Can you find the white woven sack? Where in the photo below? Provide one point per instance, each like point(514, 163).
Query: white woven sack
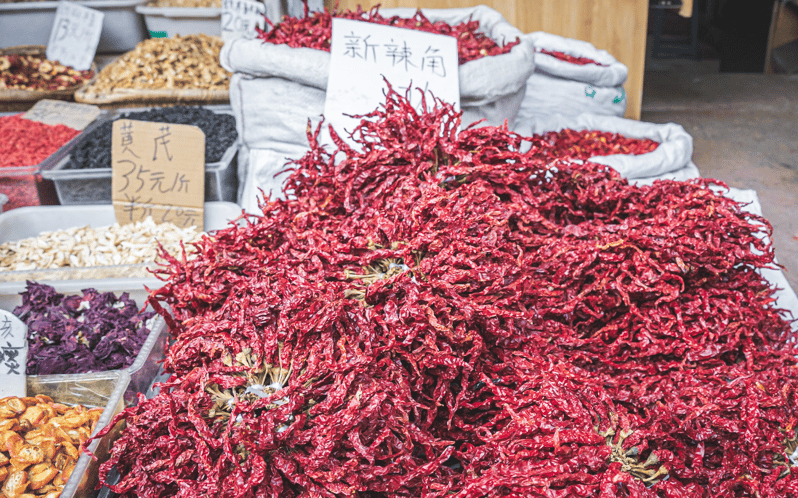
point(547, 95)
point(263, 166)
point(674, 152)
point(785, 296)
point(611, 74)
point(490, 87)
point(689, 172)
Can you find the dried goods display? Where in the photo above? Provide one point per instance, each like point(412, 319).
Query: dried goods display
point(81, 247)
point(94, 150)
point(442, 314)
point(27, 143)
point(92, 332)
point(573, 59)
point(584, 144)
point(180, 62)
point(314, 30)
point(41, 444)
point(35, 72)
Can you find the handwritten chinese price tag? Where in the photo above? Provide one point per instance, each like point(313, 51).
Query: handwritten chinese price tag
point(75, 35)
point(158, 171)
point(362, 53)
point(55, 112)
point(240, 17)
point(14, 349)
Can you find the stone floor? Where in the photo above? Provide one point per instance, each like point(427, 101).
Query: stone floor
point(745, 133)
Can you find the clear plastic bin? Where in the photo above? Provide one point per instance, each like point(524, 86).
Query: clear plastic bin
point(31, 221)
point(93, 186)
point(95, 390)
point(25, 184)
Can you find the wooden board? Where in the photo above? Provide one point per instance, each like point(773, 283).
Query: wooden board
point(617, 26)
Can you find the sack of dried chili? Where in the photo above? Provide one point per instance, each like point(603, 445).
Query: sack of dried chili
point(576, 60)
point(633, 148)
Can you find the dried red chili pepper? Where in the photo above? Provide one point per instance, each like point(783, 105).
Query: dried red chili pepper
point(314, 30)
point(458, 317)
point(573, 59)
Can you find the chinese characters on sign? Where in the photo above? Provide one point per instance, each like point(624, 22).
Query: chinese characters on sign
point(75, 35)
point(158, 171)
point(13, 355)
point(55, 112)
point(240, 17)
point(364, 55)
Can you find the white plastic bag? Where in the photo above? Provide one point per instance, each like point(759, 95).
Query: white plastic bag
point(610, 74)
point(546, 95)
point(263, 166)
point(674, 152)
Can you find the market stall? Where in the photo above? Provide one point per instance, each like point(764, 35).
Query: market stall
point(465, 275)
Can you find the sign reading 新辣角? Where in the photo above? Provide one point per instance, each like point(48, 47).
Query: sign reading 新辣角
point(13, 355)
point(364, 55)
point(55, 112)
point(158, 171)
point(75, 35)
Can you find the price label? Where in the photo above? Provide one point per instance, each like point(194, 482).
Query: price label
point(75, 35)
point(364, 55)
point(240, 17)
point(14, 352)
point(158, 171)
point(55, 112)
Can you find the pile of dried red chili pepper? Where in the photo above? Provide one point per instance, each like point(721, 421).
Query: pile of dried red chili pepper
point(584, 144)
point(573, 59)
point(36, 72)
point(440, 314)
point(314, 30)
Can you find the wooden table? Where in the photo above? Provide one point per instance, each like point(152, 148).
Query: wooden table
point(617, 26)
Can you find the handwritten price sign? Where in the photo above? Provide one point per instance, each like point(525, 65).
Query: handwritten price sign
point(241, 17)
point(13, 355)
point(75, 35)
point(362, 54)
point(158, 171)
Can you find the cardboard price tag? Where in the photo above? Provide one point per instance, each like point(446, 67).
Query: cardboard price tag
point(13, 355)
point(158, 171)
point(75, 35)
point(55, 112)
point(240, 17)
point(362, 53)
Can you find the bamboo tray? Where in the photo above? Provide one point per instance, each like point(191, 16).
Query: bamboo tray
point(22, 100)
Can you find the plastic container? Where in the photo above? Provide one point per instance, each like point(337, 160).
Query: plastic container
point(93, 186)
point(39, 191)
point(104, 389)
point(29, 23)
point(31, 221)
point(170, 21)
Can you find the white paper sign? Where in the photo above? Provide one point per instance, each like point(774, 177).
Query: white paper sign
point(240, 17)
point(75, 35)
point(14, 351)
point(362, 53)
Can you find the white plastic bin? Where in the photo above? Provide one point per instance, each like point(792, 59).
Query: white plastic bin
point(170, 21)
point(31, 221)
point(29, 23)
